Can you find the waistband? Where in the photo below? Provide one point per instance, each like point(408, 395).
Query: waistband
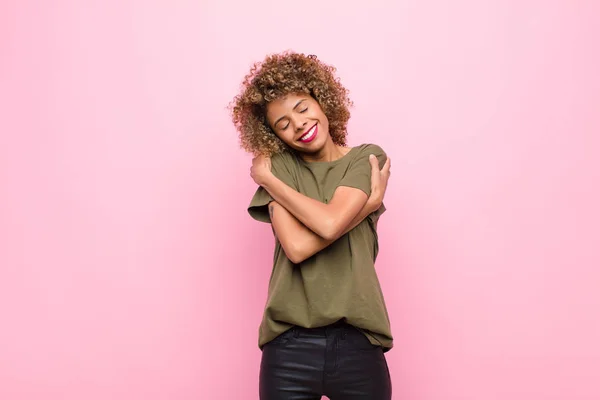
point(337, 327)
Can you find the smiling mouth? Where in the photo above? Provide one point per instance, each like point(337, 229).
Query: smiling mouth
point(310, 135)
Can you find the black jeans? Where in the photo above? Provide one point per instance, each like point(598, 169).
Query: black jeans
point(337, 361)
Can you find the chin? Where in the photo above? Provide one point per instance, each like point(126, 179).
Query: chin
point(312, 148)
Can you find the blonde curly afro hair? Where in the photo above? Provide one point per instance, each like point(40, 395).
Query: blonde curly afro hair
point(275, 77)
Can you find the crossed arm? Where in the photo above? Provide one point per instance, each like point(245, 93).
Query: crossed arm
point(299, 242)
point(305, 226)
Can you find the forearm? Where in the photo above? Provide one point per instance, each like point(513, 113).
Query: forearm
point(364, 213)
point(326, 220)
point(299, 242)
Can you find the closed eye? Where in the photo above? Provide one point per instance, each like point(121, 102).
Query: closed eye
point(301, 111)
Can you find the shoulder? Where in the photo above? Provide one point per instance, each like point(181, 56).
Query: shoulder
point(366, 149)
point(283, 158)
point(284, 161)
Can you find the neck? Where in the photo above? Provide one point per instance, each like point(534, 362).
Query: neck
point(329, 152)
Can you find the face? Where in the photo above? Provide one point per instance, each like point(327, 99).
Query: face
point(297, 119)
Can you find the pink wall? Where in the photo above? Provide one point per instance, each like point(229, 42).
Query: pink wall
point(130, 270)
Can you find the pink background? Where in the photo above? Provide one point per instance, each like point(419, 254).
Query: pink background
point(130, 269)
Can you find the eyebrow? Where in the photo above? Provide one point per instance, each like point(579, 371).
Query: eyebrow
point(296, 106)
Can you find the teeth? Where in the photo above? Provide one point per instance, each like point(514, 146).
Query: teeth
point(309, 133)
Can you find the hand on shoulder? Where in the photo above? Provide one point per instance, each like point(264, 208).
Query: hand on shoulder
point(379, 176)
point(260, 171)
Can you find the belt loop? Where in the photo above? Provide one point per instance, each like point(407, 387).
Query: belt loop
point(296, 332)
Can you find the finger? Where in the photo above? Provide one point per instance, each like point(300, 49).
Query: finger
point(374, 167)
point(387, 166)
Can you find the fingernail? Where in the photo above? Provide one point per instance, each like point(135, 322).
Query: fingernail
point(371, 156)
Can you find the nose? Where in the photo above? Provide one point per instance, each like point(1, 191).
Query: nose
point(299, 124)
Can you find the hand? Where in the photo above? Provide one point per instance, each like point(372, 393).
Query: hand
point(379, 181)
point(261, 170)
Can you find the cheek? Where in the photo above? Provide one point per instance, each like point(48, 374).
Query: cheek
point(321, 116)
point(284, 136)
point(324, 120)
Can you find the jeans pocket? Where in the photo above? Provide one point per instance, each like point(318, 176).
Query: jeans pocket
point(283, 338)
point(359, 341)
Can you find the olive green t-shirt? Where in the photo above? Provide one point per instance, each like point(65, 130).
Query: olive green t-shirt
point(339, 282)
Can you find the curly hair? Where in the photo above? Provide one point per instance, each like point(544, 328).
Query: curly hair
point(275, 77)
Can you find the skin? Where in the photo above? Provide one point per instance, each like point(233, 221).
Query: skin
point(304, 225)
point(292, 116)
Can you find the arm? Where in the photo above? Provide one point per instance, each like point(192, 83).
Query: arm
point(329, 221)
point(300, 243)
point(326, 220)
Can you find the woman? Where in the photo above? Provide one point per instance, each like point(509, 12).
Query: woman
point(325, 327)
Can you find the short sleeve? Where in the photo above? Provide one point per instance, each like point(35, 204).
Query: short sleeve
point(374, 216)
point(282, 167)
point(359, 171)
point(359, 175)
